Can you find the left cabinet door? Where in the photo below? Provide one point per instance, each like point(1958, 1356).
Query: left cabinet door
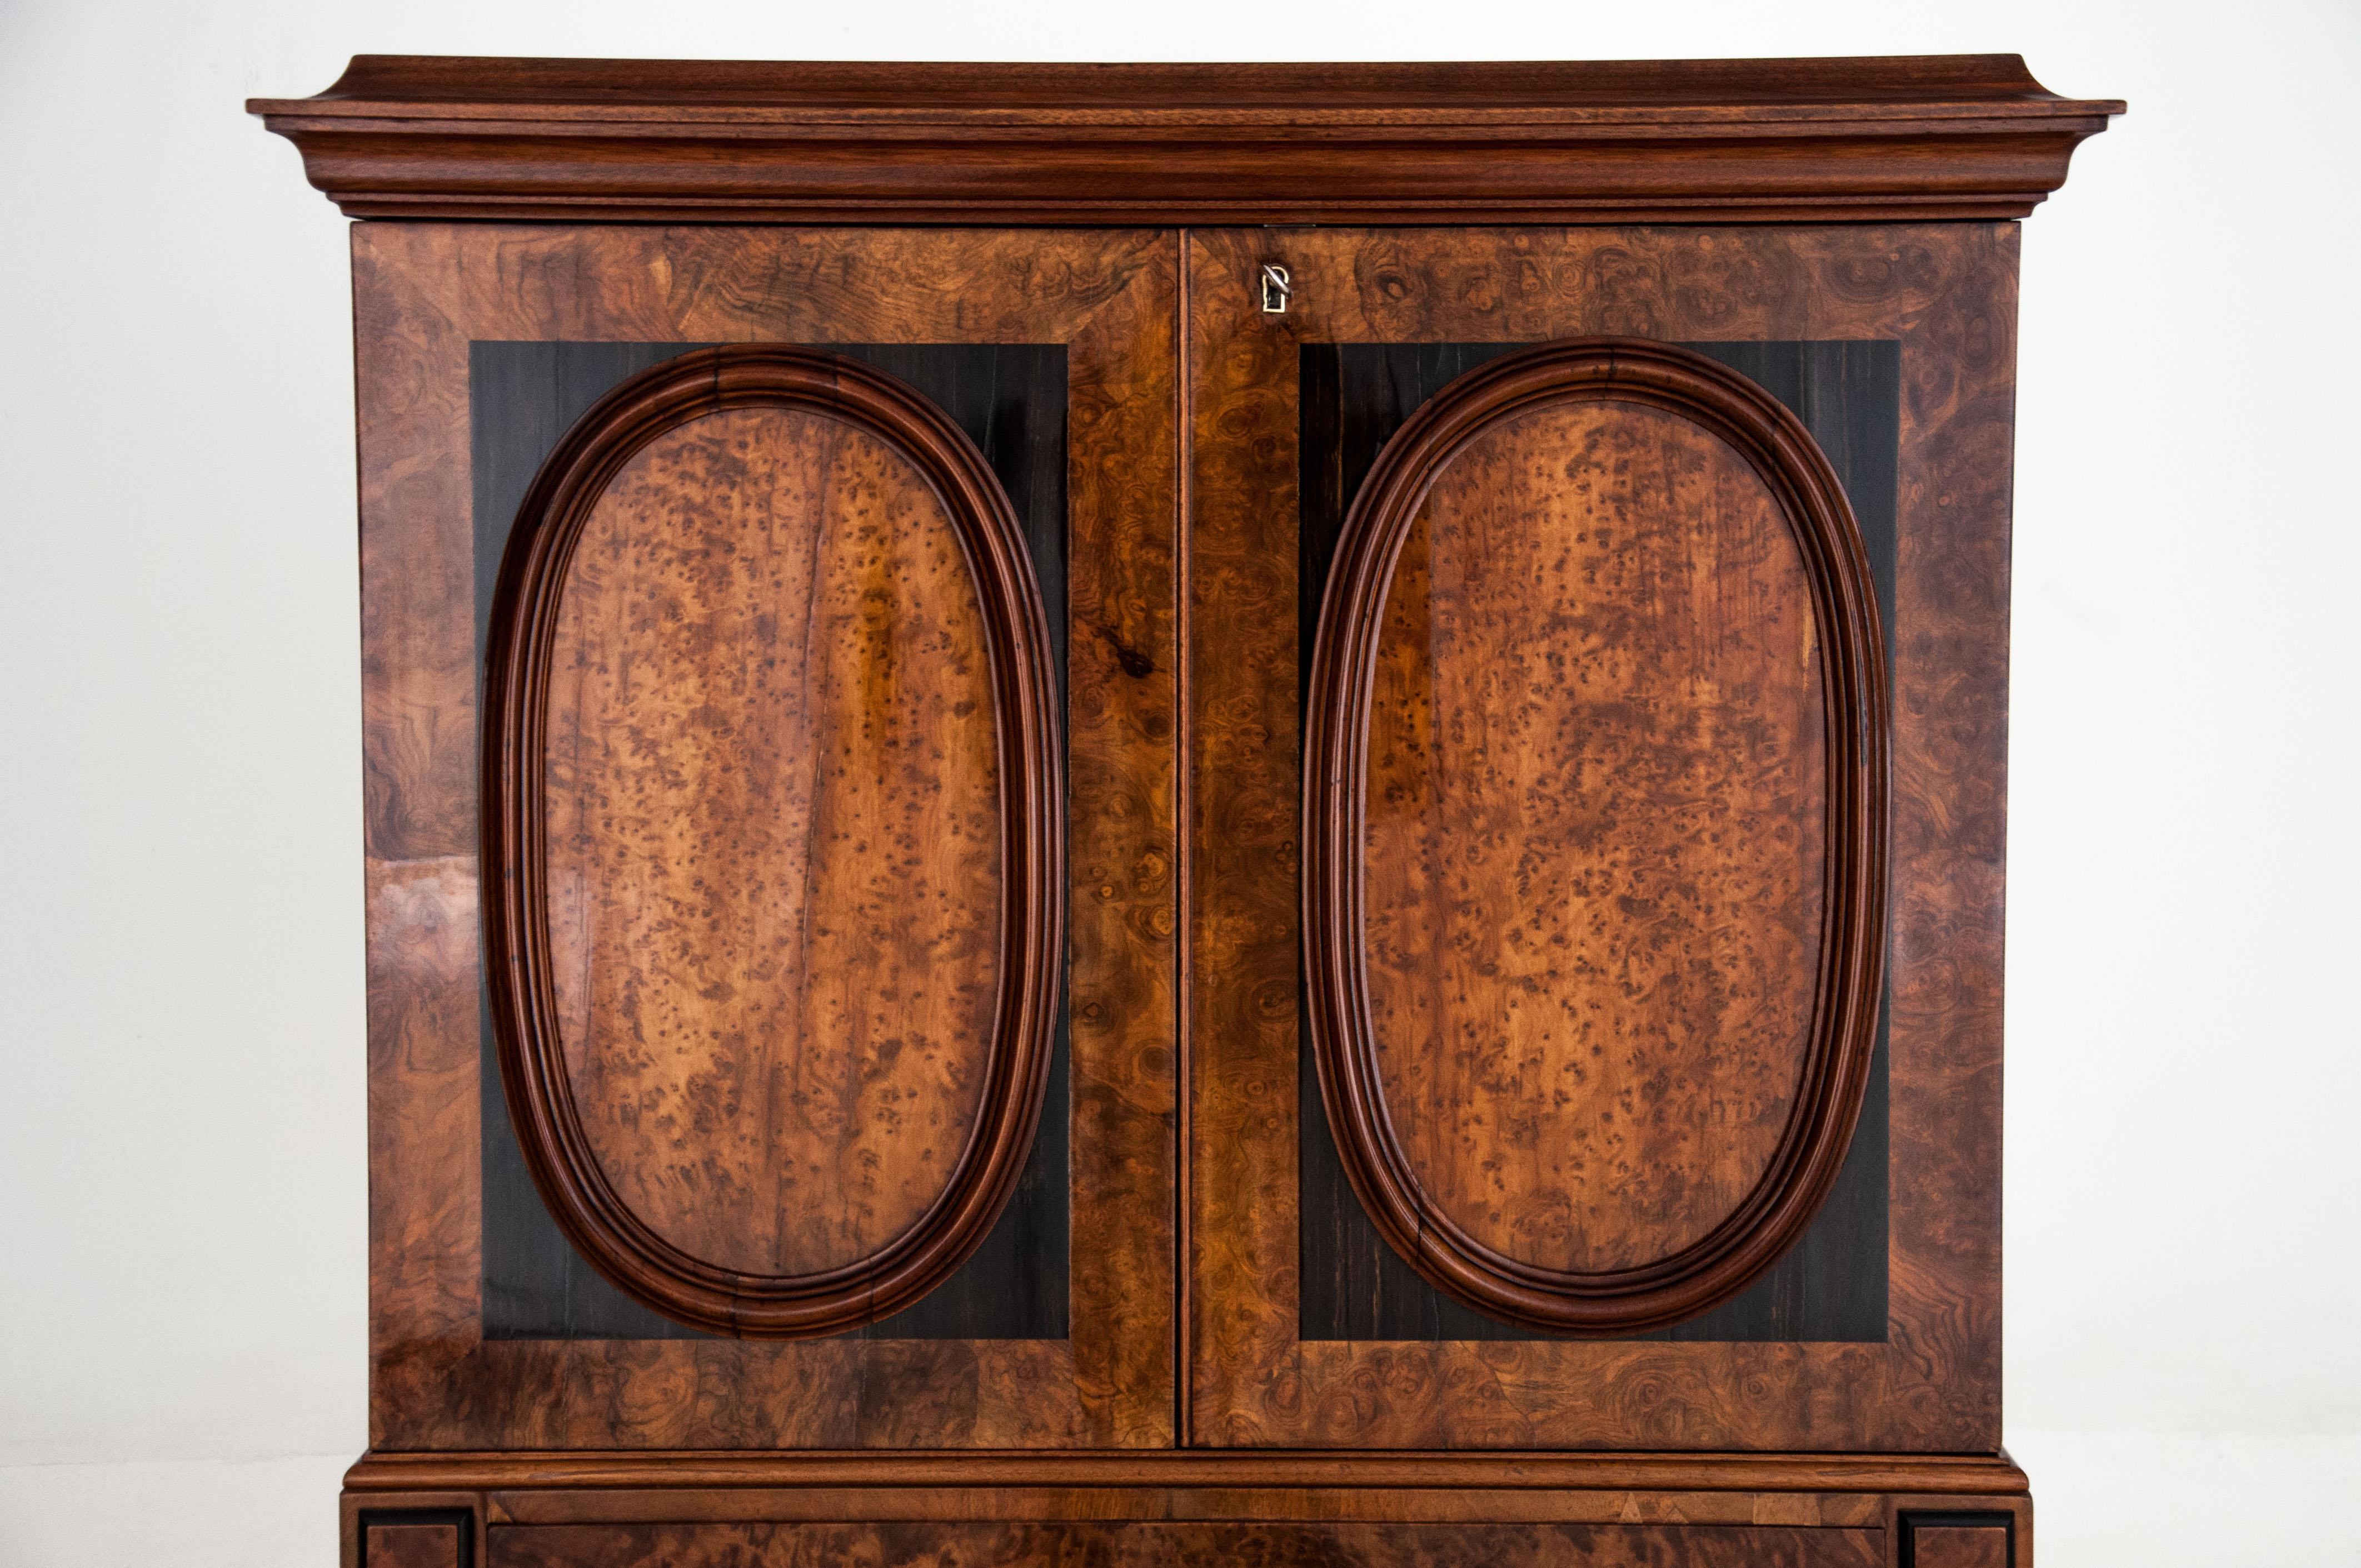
point(768, 706)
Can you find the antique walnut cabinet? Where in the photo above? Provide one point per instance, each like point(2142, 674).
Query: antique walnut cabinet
point(1149, 815)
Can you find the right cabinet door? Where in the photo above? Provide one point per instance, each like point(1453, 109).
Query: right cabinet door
point(1596, 711)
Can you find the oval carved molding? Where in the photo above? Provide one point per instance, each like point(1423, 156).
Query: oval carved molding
point(518, 943)
point(1843, 977)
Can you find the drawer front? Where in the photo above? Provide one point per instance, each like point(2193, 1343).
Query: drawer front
point(1106, 1545)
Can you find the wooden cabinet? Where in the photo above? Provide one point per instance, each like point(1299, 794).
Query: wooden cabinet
point(1149, 814)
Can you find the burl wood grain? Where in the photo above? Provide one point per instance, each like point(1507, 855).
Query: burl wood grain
point(773, 840)
point(1219, 1507)
point(1958, 1546)
point(1946, 294)
point(1112, 1545)
point(413, 1546)
point(422, 293)
point(1592, 849)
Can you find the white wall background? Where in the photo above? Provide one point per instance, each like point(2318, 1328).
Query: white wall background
point(182, 1181)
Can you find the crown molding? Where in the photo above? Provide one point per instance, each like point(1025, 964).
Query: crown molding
point(1904, 138)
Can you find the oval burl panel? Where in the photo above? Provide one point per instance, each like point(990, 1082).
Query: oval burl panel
point(786, 920)
point(773, 840)
point(1597, 795)
point(1592, 857)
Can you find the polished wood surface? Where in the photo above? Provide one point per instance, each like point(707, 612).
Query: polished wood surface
point(1502, 1492)
point(1592, 862)
point(1931, 1477)
point(1878, 1495)
point(1010, 400)
point(447, 1524)
point(423, 292)
point(1593, 994)
point(2001, 1525)
point(773, 840)
point(773, 697)
point(1946, 294)
point(1958, 1546)
point(437, 1545)
point(1178, 1545)
point(1831, 1284)
point(1183, 1406)
point(1455, 1505)
point(1781, 141)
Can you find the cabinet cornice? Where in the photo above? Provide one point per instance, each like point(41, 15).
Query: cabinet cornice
point(1902, 138)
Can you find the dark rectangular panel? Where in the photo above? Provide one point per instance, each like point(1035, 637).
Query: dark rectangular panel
point(1831, 1286)
point(1010, 399)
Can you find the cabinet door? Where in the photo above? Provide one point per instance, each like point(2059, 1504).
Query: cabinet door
point(810, 595)
point(1593, 1026)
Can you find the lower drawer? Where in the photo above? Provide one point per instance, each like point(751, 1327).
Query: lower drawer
point(1072, 1544)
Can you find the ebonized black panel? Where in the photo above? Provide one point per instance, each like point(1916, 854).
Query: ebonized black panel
point(1832, 1285)
point(1010, 399)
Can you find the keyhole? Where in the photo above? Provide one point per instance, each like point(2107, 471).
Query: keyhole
point(1276, 287)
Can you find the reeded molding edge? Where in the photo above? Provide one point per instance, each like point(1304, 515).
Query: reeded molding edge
point(521, 631)
point(1502, 1471)
point(1850, 964)
point(1965, 136)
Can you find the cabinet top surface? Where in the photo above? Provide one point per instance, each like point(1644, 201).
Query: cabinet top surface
point(1720, 140)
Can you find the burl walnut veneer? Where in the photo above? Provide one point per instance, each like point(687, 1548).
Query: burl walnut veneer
point(1143, 815)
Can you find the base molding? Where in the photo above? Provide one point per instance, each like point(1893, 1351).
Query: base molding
point(1158, 1508)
